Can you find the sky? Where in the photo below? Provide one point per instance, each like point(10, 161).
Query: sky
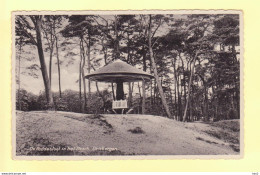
point(69, 72)
point(69, 67)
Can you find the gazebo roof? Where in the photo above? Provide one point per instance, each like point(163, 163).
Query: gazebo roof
point(119, 71)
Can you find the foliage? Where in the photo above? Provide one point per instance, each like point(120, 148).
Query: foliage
point(68, 102)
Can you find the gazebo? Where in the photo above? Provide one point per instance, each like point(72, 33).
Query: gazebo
point(119, 72)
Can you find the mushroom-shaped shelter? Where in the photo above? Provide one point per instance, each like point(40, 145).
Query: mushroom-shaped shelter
point(119, 72)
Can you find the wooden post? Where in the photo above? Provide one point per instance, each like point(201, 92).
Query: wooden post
point(143, 101)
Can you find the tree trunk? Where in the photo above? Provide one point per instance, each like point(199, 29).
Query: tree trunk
point(43, 65)
point(238, 102)
point(215, 103)
point(84, 88)
point(130, 95)
point(139, 89)
point(50, 65)
point(80, 96)
point(58, 64)
point(19, 77)
point(206, 115)
point(50, 41)
point(184, 80)
point(151, 93)
point(89, 66)
point(143, 82)
point(144, 59)
point(103, 98)
point(237, 85)
point(151, 84)
point(190, 117)
point(171, 97)
point(175, 90)
point(175, 101)
point(189, 86)
point(155, 95)
point(144, 94)
point(164, 102)
point(83, 78)
point(116, 46)
point(179, 98)
point(191, 106)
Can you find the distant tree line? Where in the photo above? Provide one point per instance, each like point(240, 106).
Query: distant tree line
point(195, 60)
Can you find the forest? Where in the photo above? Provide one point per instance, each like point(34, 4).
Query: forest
point(194, 58)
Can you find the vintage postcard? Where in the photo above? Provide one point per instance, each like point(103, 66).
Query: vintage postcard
point(127, 85)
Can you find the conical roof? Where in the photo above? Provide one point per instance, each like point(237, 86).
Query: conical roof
point(119, 71)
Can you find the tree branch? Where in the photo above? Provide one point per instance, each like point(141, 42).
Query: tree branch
point(160, 22)
point(30, 36)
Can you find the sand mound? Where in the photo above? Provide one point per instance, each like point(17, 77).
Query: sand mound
point(67, 133)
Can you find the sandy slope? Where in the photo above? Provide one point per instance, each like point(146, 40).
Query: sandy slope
point(84, 134)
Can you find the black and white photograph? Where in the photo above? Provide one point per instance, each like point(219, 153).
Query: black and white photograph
point(127, 84)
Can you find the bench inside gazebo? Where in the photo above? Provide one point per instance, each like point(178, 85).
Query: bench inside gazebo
point(119, 104)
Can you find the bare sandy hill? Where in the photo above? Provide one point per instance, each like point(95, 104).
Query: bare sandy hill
point(66, 133)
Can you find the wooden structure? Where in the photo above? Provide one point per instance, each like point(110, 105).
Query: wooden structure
point(119, 72)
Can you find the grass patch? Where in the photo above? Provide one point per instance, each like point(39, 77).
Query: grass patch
point(136, 130)
point(208, 141)
point(235, 147)
point(95, 119)
point(229, 131)
point(232, 125)
point(223, 135)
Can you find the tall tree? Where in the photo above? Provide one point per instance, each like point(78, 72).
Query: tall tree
point(19, 42)
point(82, 27)
point(197, 43)
point(155, 68)
point(48, 26)
point(26, 25)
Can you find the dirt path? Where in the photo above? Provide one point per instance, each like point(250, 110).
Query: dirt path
point(112, 134)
